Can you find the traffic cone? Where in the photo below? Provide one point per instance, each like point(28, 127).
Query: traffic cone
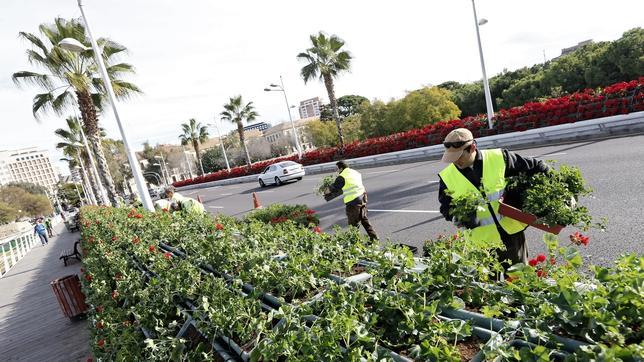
point(256, 204)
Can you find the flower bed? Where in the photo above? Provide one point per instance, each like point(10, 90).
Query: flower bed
point(619, 98)
point(164, 286)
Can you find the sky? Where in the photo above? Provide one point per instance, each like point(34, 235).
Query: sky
point(192, 55)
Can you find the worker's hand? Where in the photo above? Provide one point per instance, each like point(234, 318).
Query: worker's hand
point(328, 197)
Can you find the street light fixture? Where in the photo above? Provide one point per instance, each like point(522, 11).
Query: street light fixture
point(486, 85)
point(280, 88)
point(71, 45)
point(221, 142)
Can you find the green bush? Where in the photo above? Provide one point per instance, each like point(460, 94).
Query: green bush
point(278, 213)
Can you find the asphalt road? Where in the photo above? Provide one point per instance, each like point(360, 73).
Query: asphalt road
point(403, 204)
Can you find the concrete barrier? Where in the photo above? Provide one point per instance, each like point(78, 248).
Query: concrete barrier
point(582, 130)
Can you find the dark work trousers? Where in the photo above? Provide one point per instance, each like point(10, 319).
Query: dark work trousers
point(357, 213)
point(516, 249)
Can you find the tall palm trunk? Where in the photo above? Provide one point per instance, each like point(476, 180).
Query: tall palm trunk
point(90, 122)
point(90, 186)
point(328, 83)
point(195, 145)
point(242, 140)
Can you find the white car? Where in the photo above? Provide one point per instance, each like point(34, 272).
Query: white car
point(278, 173)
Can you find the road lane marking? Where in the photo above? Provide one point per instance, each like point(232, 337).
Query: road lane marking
point(410, 211)
point(375, 172)
point(216, 207)
point(550, 154)
point(225, 194)
point(263, 191)
point(433, 182)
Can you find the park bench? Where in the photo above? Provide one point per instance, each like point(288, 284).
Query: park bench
point(70, 253)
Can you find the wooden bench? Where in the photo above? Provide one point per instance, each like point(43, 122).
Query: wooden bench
point(70, 253)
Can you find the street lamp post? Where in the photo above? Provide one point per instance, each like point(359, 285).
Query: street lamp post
point(221, 142)
point(486, 85)
point(89, 193)
point(185, 154)
point(278, 88)
point(74, 45)
point(103, 193)
point(164, 167)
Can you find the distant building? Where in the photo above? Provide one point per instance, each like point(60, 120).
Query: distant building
point(260, 126)
point(282, 134)
point(27, 165)
point(310, 108)
point(571, 49)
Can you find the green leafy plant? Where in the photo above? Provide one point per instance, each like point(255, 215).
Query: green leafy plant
point(279, 213)
point(325, 185)
point(463, 208)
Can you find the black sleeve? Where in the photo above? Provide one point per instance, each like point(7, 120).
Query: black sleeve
point(444, 199)
point(516, 164)
point(337, 185)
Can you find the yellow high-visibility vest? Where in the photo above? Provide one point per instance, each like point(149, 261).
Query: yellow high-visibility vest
point(192, 206)
point(493, 183)
point(353, 186)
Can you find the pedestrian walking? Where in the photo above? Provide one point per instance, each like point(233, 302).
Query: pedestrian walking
point(41, 230)
point(50, 229)
point(349, 184)
point(469, 169)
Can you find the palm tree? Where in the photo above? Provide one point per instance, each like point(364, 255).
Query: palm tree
point(326, 60)
point(235, 111)
point(74, 148)
point(73, 79)
point(194, 133)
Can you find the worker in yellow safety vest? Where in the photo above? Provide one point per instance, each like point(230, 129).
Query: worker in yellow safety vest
point(188, 205)
point(349, 185)
point(485, 172)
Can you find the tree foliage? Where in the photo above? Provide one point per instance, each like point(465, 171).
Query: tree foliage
point(68, 194)
point(591, 66)
point(213, 160)
point(417, 109)
point(25, 203)
point(29, 187)
point(7, 213)
point(324, 133)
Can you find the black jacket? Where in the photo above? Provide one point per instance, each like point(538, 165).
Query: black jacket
point(514, 165)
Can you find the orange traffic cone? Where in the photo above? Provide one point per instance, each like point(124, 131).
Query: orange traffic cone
point(256, 202)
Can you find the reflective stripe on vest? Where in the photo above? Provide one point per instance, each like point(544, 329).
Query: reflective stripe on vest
point(493, 182)
point(353, 187)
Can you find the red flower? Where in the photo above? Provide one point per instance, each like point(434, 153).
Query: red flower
point(310, 212)
point(99, 325)
point(553, 261)
point(541, 258)
point(167, 255)
point(100, 343)
point(151, 248)
point(115, 294)
point(533, 262)
point(578, 239)
point(219, 227)
point(100, 309)
point(165, 209)
point(113, 238)
point(541, 273)
point(317, 230)
point(138, 216)
point(88, 277)
point(136, 240)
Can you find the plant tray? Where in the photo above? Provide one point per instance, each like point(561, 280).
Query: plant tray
point(524, 217)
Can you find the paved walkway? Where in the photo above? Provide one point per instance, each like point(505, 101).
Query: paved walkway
point(32, 325)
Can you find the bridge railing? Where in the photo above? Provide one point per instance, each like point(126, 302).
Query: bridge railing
point(14, 248)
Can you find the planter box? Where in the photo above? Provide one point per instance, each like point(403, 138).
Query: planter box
point(516, 214)
point(70, 296)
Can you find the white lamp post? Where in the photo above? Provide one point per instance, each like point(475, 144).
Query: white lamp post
point(185, 154)
point(486, 85)
point(164, 166)
point(278, 88)
point(221, 142)
point(75, 46)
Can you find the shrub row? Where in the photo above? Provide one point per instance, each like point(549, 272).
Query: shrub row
point(619, 98)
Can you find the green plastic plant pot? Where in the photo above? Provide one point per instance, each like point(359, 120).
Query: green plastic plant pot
point(480, 320)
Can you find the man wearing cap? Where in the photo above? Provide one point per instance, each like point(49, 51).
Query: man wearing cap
point(349, 184)
point(485, 172)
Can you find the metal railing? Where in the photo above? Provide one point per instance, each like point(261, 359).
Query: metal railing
point(14, 248)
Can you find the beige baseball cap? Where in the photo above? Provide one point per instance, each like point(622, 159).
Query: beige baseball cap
point(455, 142)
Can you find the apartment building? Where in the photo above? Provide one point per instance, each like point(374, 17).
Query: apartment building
point(27, 165)
point(310, 108)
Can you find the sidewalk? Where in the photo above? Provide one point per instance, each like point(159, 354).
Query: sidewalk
point(32, 325)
